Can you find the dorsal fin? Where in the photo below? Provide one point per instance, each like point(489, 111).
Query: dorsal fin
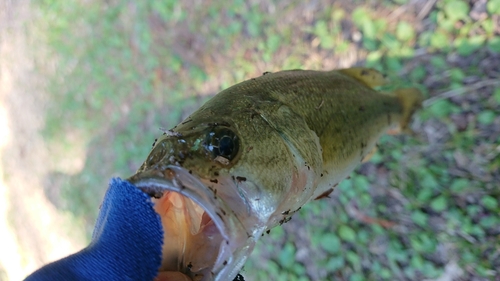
point(368, 76)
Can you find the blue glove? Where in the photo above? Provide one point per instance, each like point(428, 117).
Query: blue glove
point(126, 243)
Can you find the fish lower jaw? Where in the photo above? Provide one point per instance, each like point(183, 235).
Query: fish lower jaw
point(191, 239)
point(204, 235)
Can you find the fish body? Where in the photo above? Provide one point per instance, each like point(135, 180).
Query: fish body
point(260, 150)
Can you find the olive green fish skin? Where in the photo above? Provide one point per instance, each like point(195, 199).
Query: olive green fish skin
point(299, 132)
point(344, 114)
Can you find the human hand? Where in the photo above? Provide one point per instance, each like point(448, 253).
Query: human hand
point(126, 243)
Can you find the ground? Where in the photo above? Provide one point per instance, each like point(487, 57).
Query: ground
point(32, 230)
point(85, 87)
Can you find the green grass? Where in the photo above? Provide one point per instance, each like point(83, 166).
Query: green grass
point(127, 68)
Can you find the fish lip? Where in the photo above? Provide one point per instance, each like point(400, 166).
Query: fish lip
point(155, 182)
point(158, 180)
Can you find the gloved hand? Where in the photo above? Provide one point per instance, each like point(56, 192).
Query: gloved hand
point(126, 242)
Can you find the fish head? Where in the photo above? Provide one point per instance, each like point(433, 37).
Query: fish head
point(204, 149)
point(221, 178)
point(201, 238)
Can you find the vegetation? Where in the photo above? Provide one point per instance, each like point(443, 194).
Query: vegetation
point(423, 207)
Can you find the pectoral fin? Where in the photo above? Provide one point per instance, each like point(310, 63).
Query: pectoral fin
point(369, 155)
point(411, 100)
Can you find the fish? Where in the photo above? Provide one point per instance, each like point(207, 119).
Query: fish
point(255, 153)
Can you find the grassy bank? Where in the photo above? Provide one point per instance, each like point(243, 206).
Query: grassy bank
point(423, 207)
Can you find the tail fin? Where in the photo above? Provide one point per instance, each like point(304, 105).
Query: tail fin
point(411, 100)
point(368, 76)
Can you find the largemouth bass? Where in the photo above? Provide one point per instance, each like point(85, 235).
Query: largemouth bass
point(255, 153)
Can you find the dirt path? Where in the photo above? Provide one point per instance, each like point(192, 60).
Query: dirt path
point(32, 230)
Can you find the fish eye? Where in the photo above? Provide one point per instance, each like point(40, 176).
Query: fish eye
point(222, 142)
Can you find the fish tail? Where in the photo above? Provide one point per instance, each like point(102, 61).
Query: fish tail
point(411, 100)
point(367, 76)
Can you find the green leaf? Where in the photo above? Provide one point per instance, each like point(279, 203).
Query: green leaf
point(385, 273)
point(430, 271)
point(286, 257)
point(468, 256)
point(441, 108)
point(273, 43)
point(419, 218)
point(322, 31)
point(356, 277)
point(360, 15)
point(365, 199)
point(394, 64)
point(477, 231)
point(439, 62)
point(369, 30)
point(175, 63)
point(439, 40)
point(424, 194)
point(489, 202)
point(405, 31)
point(489, 221)
point(364, 237)
point(459, 185)
point(496, 95)
point(456, 10)
point(488, 26)
point(374, 57)
point(493, 7)
point(298, 269)
point(330, 243)
point(327, 42)
point(272, 267)
point(235, 27)
point(335, 263)
point(424, 38)
point(197, 74)
point(486, 271)
point(417, 262)
point(380, 26)
point(370, 44)
point(254, 24)
point(346, 233)
point(321, 28)
point(277, 233)
point(360, 182)
point(439, 204)
point(418, 73)
point(377, 158)
point(456, 74)
point(467, 46)
point(428, 179)
point(486, 117)
point(406, 52)
point(353, 258)
point(338, 14)
point(341, 47)
point(494, 44)
point(390, 42)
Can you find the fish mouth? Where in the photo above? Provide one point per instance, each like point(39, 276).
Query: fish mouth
point(199, 238)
